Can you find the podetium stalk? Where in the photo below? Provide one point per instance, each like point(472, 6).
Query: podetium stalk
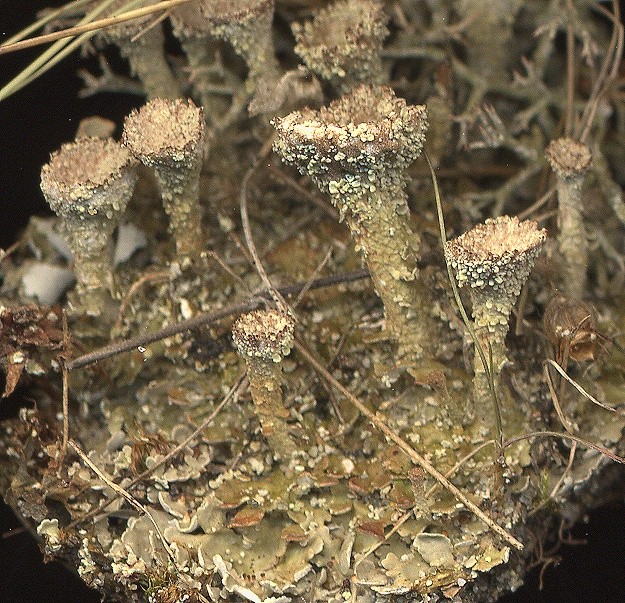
point(263, 338)
point(357, 150)
point(169, 136)
point(247, 26)
point(570, 161)
point(143, 44)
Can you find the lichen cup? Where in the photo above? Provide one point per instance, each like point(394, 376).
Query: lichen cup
point(88, 184)
point(493, 260)
point(357, 150)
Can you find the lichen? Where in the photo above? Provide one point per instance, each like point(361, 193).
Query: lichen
point(343, 44)
point(357, 150)
point(313, 465)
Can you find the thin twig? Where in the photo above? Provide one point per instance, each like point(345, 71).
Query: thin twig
point(556, 402)
point(118, 347)
point(5, 253)
point(312, 278)
point(47, 18)
point(65, 372)
point(404, 518)
point(378, 421)
point(527, 212)
point(581, 390)
point(158, 19)
point(249, 239)
point(609, 70)
point(567, 470)
point(222, 264)
point(53, 55)
point(314, 199)
point(465, 317)
point(570, 72)
point(131, 499)
point(567, 427)
point(566, 436)
point(162, 275)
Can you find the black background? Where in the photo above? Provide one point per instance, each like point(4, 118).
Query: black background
point(35, 122)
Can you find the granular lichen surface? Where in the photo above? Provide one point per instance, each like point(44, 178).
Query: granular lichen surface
point(220, 463)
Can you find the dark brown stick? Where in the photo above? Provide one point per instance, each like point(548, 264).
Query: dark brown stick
point(207, 318)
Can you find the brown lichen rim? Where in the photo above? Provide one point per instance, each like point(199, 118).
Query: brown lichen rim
point(368, 122)
point(79, 169)
point(495, 245)
point(498, 240)
point(263, 333)
point(165, 130)
point(568, 157)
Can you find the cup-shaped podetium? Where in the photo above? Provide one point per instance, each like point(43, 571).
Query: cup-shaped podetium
point(357, 150)
point(493, 260)
point(343, 43)
point(263, 338)
point(247, 26)
point(169, 136)
point(570, 161)
point(88, 184)
point(142, 43)
point(195, 34)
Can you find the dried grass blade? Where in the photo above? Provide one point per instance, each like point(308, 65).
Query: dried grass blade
point(76, 4)
point(567, 436)
point(581, 390)
point(127, 15)
point(51, 56)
